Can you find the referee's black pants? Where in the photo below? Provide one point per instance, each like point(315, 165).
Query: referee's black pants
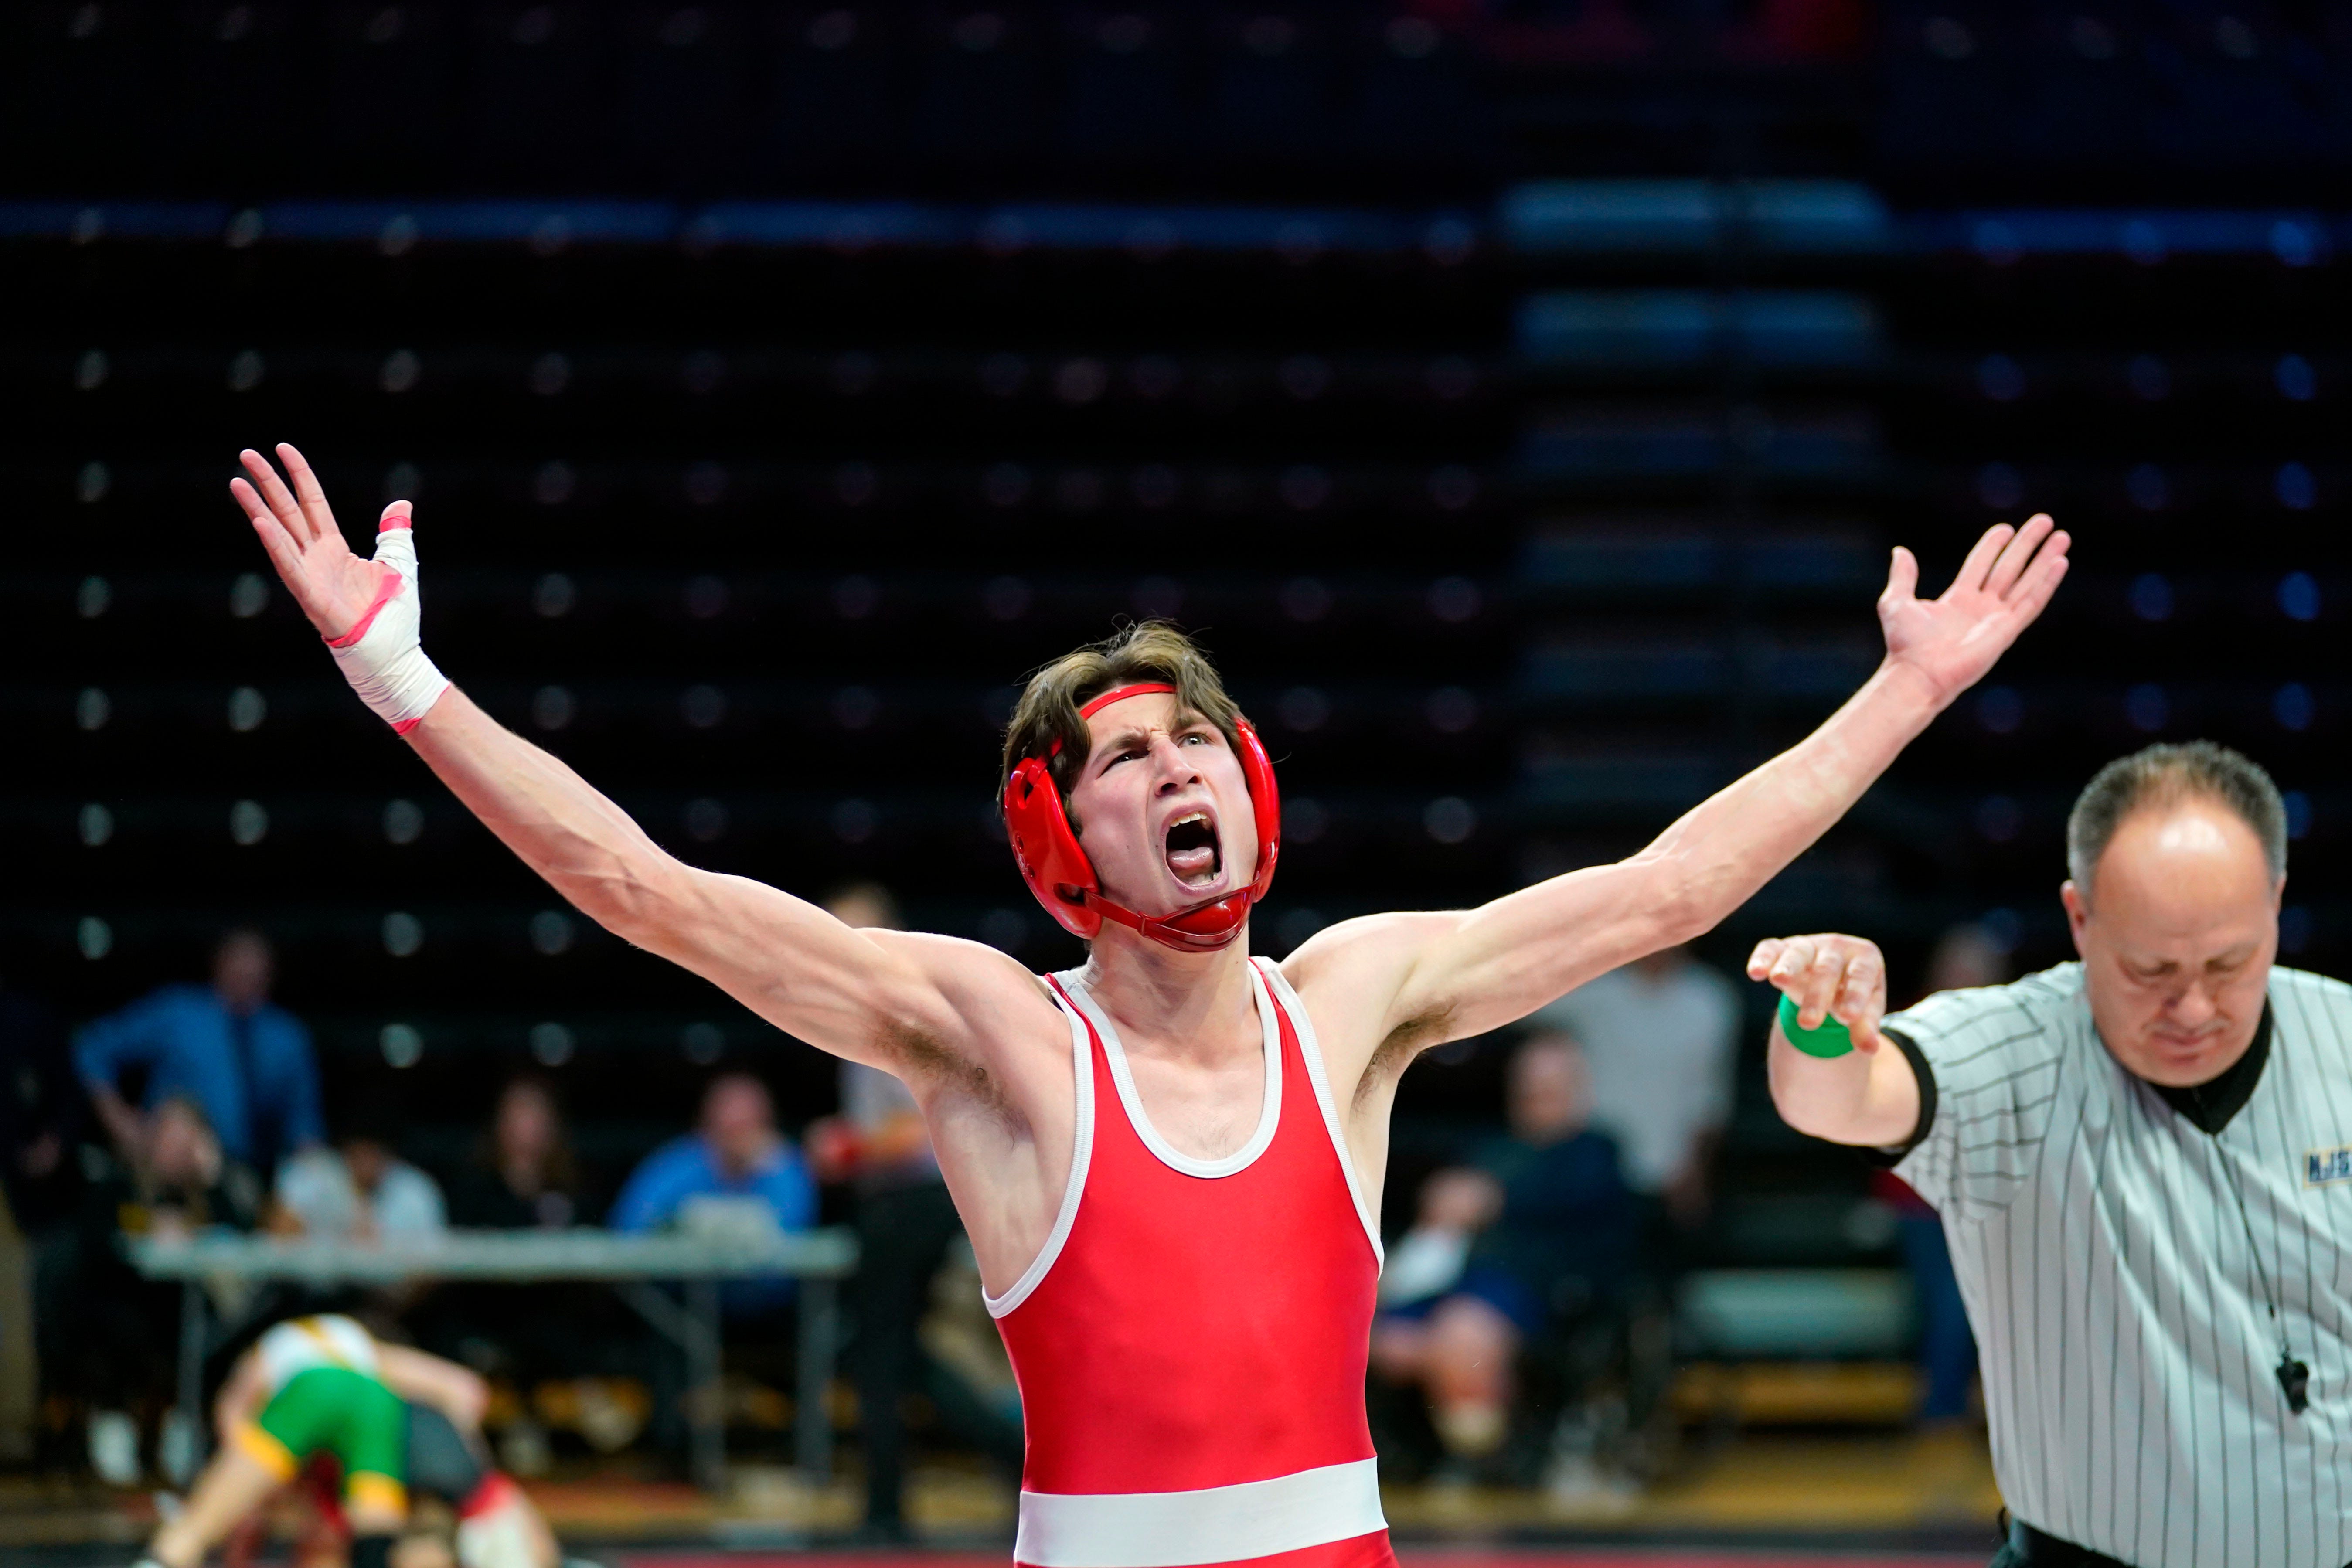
point(2029, 1548)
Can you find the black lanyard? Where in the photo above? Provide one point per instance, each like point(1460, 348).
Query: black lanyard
point(2294, 1376)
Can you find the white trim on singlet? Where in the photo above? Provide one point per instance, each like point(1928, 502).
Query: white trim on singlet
point(1311, 1049)
point(1213, 1524)
point(295, 1345)
point(1082, 1148)
point(1269, 1114)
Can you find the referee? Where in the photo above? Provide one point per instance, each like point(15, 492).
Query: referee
point(2143, 1161)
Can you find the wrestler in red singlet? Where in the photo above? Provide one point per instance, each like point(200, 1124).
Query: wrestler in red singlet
point(1168, 1162)
point(1190, 1344)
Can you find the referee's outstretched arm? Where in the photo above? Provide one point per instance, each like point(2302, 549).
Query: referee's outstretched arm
point(1864, 1095)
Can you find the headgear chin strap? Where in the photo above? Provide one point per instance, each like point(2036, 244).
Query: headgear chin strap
point(1063, 879)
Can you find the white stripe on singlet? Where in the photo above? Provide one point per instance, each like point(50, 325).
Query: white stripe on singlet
point(1213, 1524)
point(2127, 1346)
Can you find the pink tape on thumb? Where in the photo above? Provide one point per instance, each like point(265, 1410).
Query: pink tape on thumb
point(385, 590)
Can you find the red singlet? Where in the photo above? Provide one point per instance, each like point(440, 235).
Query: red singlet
point(1190, 1339)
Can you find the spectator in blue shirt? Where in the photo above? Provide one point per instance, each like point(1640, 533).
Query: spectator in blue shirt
point(246, 1064)
point(734, 1153)
point(1509, 1247)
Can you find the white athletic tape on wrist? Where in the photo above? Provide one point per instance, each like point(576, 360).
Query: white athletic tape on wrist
point(380, 655)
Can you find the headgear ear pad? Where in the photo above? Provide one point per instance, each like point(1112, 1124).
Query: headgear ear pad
point(1058, 872)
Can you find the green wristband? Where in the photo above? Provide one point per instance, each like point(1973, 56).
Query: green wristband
point(1831, 1040)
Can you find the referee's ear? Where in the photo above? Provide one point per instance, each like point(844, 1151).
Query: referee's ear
point(2078, 912)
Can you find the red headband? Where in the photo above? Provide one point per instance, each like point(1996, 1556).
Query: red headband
point(1121, 694)
point(1116, 694)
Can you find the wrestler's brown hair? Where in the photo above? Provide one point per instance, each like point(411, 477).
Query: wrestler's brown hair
point(1146, 651)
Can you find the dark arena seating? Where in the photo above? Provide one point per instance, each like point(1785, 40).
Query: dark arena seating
point(1518, 398)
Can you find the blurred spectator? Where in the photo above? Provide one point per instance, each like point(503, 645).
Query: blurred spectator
point(1536, 1226)
point(1660, 1036)
point(359, 1191)
point(111, 1332)
point(524, 1176)
point(186, 1181)
point(906, 1226)
point(247, 1063)
point(41, 1118)
point(735, 1171)
point(734, 1164)
point(1965, 957)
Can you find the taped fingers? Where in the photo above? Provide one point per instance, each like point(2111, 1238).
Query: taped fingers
point(396, 546)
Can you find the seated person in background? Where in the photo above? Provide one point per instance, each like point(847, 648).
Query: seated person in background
point(734, 1164)
point(1538, 1223)
point(359, 1191)
point(734, 1172)
point(523, 1176)
point(395, 1422)
point(110, 1330)
point(247, 1063)
point(1659, 1038)
point(182, 1181)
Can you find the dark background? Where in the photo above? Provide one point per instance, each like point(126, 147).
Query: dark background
point(778, 385)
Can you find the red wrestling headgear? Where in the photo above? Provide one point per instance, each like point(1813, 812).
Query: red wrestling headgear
point(1058, 872)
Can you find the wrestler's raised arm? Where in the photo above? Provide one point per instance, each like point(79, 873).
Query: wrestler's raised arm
point(886, 998)
point(1421, 979)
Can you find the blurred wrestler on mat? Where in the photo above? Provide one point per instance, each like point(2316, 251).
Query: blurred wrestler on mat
point(397, 1429)
point(1169, 1159)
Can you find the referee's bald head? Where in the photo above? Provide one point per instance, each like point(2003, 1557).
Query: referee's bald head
point(2165, 775)
point(2178, 857)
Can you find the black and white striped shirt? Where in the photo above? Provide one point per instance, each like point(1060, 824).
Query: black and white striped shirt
point(2127, 1350)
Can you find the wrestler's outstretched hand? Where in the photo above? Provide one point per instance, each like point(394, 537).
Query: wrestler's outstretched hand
point(1828, 977)
point(334, 587)
point(2003, 586)
point(366, 609)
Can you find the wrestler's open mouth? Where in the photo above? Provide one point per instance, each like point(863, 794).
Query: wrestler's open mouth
point(1192, 848)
